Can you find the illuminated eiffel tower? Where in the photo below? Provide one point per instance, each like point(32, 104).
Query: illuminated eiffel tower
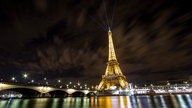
point(113, 75)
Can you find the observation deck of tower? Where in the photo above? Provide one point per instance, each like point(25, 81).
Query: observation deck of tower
point(113, 75)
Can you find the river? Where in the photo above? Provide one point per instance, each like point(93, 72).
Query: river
point(158, 101)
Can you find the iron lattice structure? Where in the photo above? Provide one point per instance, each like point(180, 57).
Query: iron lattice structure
point(113, 75)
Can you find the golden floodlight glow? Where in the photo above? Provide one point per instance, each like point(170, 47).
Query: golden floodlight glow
point(44, 89)
point(2, 85)
point(70, 91)
point(113, 75)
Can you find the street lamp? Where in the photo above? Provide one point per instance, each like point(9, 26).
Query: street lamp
point(25, 75)
point(58, 81)
point(45, 79)
point(32, 81)
point(13, 78)
point(47, 83)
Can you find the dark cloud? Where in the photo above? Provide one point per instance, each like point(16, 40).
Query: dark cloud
point(66, 40)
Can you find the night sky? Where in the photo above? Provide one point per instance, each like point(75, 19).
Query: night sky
point(67, 39)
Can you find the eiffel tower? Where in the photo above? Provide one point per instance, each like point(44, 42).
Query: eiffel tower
point(113, 75)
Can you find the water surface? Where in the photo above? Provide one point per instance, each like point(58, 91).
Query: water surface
point(159, 101)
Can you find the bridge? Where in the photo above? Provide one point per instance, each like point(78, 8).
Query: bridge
point(28, 90)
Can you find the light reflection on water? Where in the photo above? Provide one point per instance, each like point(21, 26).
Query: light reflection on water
point(159, 101)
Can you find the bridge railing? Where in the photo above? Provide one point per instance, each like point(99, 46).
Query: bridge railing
point(39, 84)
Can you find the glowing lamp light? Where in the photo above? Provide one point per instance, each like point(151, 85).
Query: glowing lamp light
point(44, 89)
point(25, 75)
point(13, 78)
point(70, 91)
point(59, 81)
point(113, 87)
point(2, 85)
point(86, 91)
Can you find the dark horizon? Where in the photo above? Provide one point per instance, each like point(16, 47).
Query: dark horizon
point(65, 39)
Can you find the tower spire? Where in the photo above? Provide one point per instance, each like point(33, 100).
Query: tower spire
point(112, 55)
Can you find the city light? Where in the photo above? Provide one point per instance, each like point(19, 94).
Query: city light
point(2, 85)
point(45, 78)
point(32, 81)
point(25, 75)
point(13, 78)
point(59, 81)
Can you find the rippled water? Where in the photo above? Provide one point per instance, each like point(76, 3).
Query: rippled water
point(160, 101)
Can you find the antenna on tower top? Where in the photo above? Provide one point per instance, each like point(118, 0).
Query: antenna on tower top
point(109, 29)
